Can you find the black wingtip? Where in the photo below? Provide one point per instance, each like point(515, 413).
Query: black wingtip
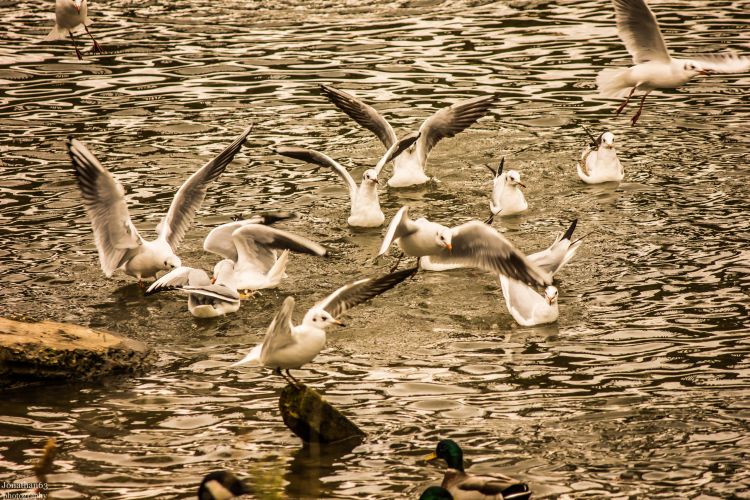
point(270, 218)
point(569, 233)
point(501, 167)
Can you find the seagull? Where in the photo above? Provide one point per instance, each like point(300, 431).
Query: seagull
point(288, 346)
point(408, 168)
point(463, 485)
point(251, 247)
point(118, 242)
point(222, 485)
point(472, 244)
point(654, 67)
point(365, 209)
point(507, 197)
point(69, 14)
point(206, 298)
point(599, 162)
point(528, 307)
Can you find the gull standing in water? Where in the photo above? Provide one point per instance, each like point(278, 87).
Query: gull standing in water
point(472, 244)
point(69, 14)
point(250, 247)
point(408, 168)
point(507, 197)
point(599, 162)
point(206, 298)
point(288, 346)
point(365, 209)
point(654, 67)
point(528, 307)
point(118, 242)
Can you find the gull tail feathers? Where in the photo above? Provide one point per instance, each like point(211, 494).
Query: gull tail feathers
point(613, 82)
point(278, 270)
point(252, 359)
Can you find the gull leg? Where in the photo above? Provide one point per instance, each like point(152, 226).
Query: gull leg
point(75, 46)
point(249, 294)
point(278, 371)
point(640, 108)
point(400, 256)
point(490, 219)
point(141, 284)
point(295, 381)
point(97, 48)
point(622, 106)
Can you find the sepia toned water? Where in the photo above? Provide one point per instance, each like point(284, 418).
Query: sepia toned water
point(640, 390)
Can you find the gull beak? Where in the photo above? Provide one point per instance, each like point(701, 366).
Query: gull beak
point(375, 181)
point(429, 458)
point(704, 72)
point(549, 300)
point(449, 246)
point(337, 322)
point(213, 280)
point(521, 184)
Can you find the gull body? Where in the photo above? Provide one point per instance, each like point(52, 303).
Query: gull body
point(524, 303)
point(599, 162)
point(654, 68)
point(463, 485)
point(507, 197)
point(118, 242)
point(287, 346)
point(365, 202)
point(69, 14)
point(252, 247)
point(472, 244)
point(409, 167)
point(205, 299)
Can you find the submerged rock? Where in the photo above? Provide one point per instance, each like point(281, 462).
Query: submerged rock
point(58, 351)
point(313, 419)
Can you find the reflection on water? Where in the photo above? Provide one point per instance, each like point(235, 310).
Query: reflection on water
point(639, 390)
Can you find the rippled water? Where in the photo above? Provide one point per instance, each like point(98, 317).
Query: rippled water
point(640, 390)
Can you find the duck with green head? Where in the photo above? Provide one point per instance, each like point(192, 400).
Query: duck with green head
point(464, 486)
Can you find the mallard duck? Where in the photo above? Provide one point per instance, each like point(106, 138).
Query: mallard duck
point(465, 486)
point(222, 485)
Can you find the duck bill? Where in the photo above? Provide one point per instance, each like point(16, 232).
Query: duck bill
point(429, 458)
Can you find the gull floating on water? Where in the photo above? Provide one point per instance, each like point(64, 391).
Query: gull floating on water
point(250, 246)
point(463, 485)
point(69, 14)
point(599, 162)
point(654, 67)
point(206, 298)
point(365, 203)
point(528, 307)
point(472, 244)
point(507, 197)
point(222, 485)
point(118, 242)
point(288, 346)
point(408, 168)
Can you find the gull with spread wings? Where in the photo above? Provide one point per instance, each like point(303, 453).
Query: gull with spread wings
point(287, 346)
point(118, 242)
point(654, 67)
point(365, 203)
point(408, 168)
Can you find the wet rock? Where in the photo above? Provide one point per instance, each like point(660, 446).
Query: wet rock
point(313, 419)
point(58, 351)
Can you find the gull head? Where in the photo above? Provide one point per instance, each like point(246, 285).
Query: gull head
point(550, 294)
point(694, 69)
point(321, 319)
point(77, 4)
point(370, 175)
point(172, 262)
point(444, 238)
point(607, 140)
point(514, 178)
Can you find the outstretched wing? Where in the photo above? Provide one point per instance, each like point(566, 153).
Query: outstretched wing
point(478, 245)
point(317, 158)
point(400, 226)
point(451, 120)
point(215, 291)
point(177, 277)
point(189, 197)
point(396, 149)
point(104, 198)
point(279, 333)
point(219, 239)
point(640, 32)
point(355, 293)
point(257, 242)
point(361, 113)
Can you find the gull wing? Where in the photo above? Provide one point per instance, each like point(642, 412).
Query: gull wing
point(219, 239)
point(256, 241)
point(215, 291)
point(478, 245)
point(279, 333)
point(451, 120)
point(361, 113)
point(317, 158)
point(553, 258)
point(396, 149)
point(180, 276)
point(400, 226)
point(189, 197)
point(722, 63)
point(362, 290)
point(104, 198)
point(640, 32)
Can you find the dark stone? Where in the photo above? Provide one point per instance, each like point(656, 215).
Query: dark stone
point(46, 351)
point(313, 419)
